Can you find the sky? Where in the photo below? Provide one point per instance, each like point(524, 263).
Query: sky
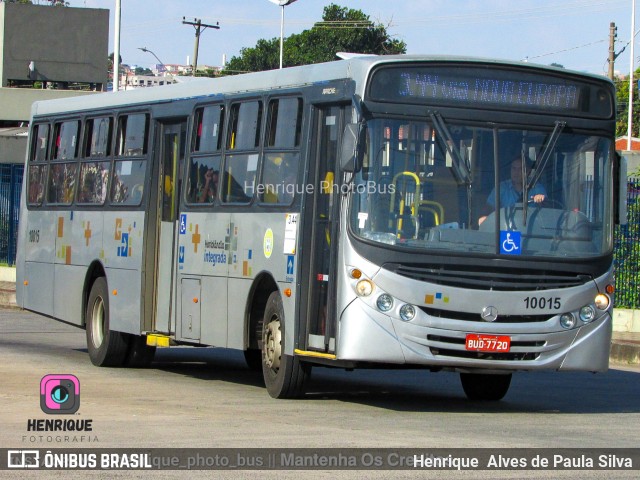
point(573, 33)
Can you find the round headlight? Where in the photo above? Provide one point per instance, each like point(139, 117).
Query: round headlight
point(602, 301)
point(364, 288)
point(587, 313)
point(567, 320)
point(384, 302)
point(407, 312)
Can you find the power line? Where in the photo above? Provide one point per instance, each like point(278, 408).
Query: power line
point(564, 50)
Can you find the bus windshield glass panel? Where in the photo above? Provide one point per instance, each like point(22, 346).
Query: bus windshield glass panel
point(436, 186)
point(472, 86)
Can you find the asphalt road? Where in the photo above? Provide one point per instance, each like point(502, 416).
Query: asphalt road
point(208, 398)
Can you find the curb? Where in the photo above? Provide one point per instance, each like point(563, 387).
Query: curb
point(624, 353)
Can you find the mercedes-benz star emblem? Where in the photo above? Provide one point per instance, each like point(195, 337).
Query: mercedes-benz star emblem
point(489, 314)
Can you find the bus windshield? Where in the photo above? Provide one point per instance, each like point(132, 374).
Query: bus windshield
point(438, 186)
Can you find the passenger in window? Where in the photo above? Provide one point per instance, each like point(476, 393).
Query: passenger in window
point(511, 189)
point(210, 187)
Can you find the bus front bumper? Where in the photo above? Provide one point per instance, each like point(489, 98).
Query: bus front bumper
point(367, 335)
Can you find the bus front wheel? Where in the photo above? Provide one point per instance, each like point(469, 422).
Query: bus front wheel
point(284, 375)
point(106, 347)
point(485, 387)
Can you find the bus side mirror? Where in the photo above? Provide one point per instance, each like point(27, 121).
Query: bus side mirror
point(352, 149)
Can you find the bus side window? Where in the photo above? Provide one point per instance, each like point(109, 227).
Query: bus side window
point(94, 175)
point(279, 176)
point(209, 123)
point(62, 175)
point(62, 183)
point(37, 168)
point(133, 131)
point(98, 133)
point(93, 182)
point(65, 135)
point(203, 179)
point(239, 176)
point(127, 182)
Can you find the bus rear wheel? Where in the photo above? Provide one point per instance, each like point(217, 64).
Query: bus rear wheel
point(106, 347)
point(284, 375)
point(485, 387)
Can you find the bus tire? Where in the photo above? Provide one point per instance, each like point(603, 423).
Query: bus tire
point(107, 348)
point(284, 375)
point(139, 354)
point(485, 387)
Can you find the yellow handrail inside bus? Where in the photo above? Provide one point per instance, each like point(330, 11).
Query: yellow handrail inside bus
point(402, 204)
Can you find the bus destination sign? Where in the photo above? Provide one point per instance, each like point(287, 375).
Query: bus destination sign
point(483, 87)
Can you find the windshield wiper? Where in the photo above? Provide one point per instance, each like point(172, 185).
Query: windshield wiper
point(536, 172)
point(461, 170)
point(547, 149)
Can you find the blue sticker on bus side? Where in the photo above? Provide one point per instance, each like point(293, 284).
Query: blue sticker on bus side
point(181, 254)
point(183, 224)
point(510, 243)
point(290, 263)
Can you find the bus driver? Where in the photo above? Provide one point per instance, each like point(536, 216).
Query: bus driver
point(511, 190)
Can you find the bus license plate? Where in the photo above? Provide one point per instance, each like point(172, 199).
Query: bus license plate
point(487, 343)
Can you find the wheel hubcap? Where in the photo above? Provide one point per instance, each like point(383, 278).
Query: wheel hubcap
point(272, 345)
point(97, 323)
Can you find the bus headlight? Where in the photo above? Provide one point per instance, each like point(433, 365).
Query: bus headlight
point(587, 313)
point(384, 302)
point(602, 301)
point(407, 312)
point(567, 320)
point(364, 288)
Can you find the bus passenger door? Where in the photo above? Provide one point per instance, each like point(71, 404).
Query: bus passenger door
point(322, 314)
point(171, 161)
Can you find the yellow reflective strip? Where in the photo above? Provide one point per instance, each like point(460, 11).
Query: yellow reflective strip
point(306, 353)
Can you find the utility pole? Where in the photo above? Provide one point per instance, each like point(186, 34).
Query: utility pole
point(613, 33)
point(200, 27)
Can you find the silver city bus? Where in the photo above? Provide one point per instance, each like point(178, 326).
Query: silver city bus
point(410, 211)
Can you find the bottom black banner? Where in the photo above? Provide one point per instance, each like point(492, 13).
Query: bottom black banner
point(321, 459)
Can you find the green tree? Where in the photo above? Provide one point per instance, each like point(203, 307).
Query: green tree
point(341, 29)
point(622, 100)
point(143, 71)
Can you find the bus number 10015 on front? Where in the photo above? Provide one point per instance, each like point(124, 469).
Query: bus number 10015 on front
point(542, 303)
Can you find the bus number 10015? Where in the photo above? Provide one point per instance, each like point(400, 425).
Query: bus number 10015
point(542, 303)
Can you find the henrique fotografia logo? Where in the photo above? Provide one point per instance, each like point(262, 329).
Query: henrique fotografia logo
point(59, 394)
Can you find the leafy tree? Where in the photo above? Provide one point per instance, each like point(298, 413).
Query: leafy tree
point(143, 71)
point(622, 100)
point(341, 29)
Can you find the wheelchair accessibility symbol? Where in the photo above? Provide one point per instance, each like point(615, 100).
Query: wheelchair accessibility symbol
point(510, 243)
